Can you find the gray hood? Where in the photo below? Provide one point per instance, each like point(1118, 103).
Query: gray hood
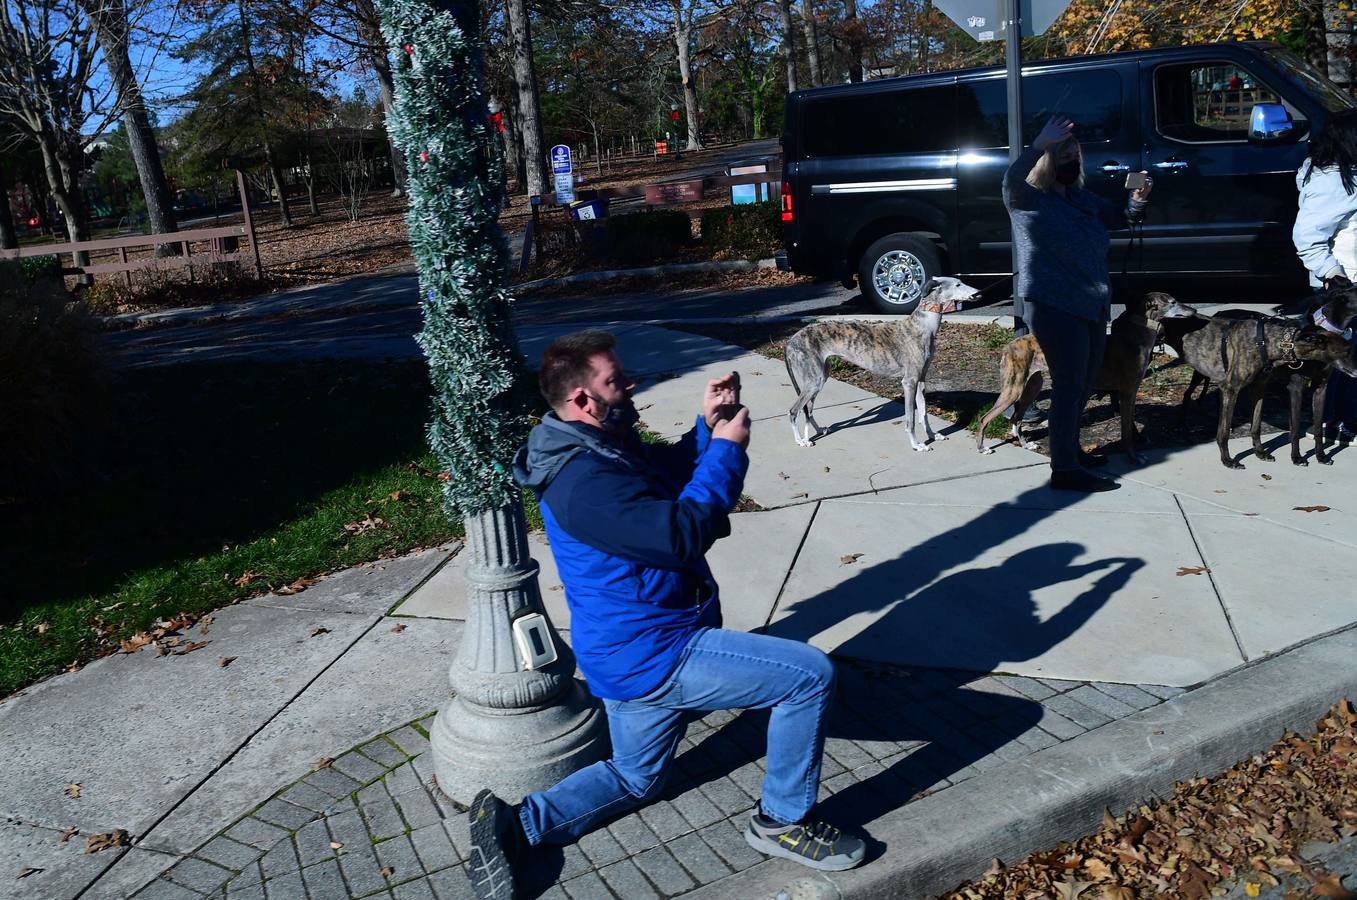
point(554, 443)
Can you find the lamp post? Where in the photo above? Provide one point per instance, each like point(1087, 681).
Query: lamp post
point(508, 727)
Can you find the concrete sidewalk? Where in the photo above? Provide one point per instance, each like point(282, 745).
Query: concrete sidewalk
point(1012, 660)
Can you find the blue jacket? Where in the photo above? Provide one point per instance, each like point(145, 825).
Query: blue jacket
point(1061, 242)
point(629, 525)
point(1325, 211)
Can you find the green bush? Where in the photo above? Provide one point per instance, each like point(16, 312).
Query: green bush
point(751, 231)
point(48, 381)
point(648, 237)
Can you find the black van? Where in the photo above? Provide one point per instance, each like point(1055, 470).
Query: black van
point(897, 180)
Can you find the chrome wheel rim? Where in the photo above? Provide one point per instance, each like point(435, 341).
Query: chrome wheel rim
point(898, 277)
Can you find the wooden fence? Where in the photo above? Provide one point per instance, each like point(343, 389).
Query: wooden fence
point(224, 248)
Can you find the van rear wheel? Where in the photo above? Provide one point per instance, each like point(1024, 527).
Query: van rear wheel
point(895, 269)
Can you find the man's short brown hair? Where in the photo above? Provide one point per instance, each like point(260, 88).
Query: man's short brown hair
point(567, 363)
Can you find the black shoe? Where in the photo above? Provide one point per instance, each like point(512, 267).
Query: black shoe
point(496, 838)
point(810, 843)
point(1079, 480)
point(1092, 460)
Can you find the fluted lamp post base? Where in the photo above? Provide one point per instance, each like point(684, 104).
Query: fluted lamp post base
point(508, 728)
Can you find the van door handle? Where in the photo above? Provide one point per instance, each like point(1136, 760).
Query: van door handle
point(1114, 166)
point(1171, 164)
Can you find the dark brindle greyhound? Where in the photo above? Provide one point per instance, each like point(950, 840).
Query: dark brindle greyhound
point(1241, 353)
point(1333, 311)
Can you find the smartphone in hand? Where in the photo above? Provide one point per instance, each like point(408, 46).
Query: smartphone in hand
point(1135, 181)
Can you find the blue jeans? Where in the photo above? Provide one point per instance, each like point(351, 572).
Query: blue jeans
point(1074, 354)
point(718, 669)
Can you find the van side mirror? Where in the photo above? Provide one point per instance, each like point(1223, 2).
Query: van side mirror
point(1270, 123)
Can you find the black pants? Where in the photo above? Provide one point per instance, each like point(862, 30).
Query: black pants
point(1074, 353)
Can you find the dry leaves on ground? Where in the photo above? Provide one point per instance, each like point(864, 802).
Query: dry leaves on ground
point(336, 845)
point(319, 631)
point(73, 790)
point(1192, 570)
point(323, 763)
point(1310, 508)
point(1246, 823)
point(398, 627)
point(116, 838)
point(297, 586)
point(164, 636)
point(849, 559)
point(28, 870)
point(225, 661)
point(68, 834)
point(367, 523)
point(388, 871)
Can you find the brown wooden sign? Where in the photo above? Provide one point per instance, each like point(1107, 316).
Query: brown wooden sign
point(677, 192)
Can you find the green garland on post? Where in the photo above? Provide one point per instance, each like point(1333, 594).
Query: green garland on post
point(440, 122)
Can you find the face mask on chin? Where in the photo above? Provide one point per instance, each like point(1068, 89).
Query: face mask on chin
point(1067, 173)
point(619, 417)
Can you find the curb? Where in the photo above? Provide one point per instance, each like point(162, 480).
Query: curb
point(1059, 794)
point(732, 265)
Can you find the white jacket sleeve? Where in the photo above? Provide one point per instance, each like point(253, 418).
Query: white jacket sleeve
point(1324, 209)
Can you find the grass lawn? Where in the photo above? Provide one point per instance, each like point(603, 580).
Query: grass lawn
point(207, 484)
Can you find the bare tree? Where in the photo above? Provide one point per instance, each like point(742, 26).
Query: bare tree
point(49, 91)
point(784, 8)
point(812, 41)
point(112, 29)
point(684, 14)
point(529, 111)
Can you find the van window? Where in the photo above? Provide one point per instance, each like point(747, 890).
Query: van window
point(1092, 98)
point(1202, 103)
point(920, 120)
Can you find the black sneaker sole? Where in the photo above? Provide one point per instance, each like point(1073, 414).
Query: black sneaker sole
point(488, 868)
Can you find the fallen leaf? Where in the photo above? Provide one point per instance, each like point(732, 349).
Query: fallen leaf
point(73, 789)
point(1097, 869)
point(336, 845)
point(398, 627)
point(1117, 892)
point(226, 661)
point(42, 627)
point(1070, 890)
point(135, 642)
point(319, 631)
point(395, 495)
point(388, 871)
point(97, 842)
point(323, 763)
point(444, 476)
point(1251, 889)
point(826, 468)
point(367, 523)
point(1250, 514)
point(1267, 477)
point(783, 475)
point(297, 586)
point(29, 870)
point(246, 577)
point(1192, 570)
point(190, 647)
point(1310, 508)
point(800, 495)
point(849, 559)
point(68, 834)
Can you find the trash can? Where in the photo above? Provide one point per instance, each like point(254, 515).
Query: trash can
point(589, 210)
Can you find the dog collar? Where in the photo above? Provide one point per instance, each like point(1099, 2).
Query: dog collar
point(1324, 322)
point(939, 308)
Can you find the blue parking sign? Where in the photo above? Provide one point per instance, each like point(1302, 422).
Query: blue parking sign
point(560, 160)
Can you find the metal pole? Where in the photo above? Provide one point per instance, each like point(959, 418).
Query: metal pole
point(1013, 57)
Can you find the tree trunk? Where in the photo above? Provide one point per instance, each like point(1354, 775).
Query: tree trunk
point(387, 89)
point(683, 32)
point(513, 157)
point(9, 236)
point(529, 113)
point(853, 27)
point(1316, 39)
point(812, 42)
point(276, 175)
point(63, 176)
point(110, 29)
point(788, 52)
point(1338, 24)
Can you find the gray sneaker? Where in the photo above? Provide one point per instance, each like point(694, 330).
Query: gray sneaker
point(811, 843)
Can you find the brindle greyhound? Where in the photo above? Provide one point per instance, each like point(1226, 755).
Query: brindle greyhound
point(1332, 311)
point(900, 349)
point(1242, 353)
point(1129, 348)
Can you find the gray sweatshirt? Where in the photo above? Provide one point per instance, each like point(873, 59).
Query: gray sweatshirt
point(1061, 242)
